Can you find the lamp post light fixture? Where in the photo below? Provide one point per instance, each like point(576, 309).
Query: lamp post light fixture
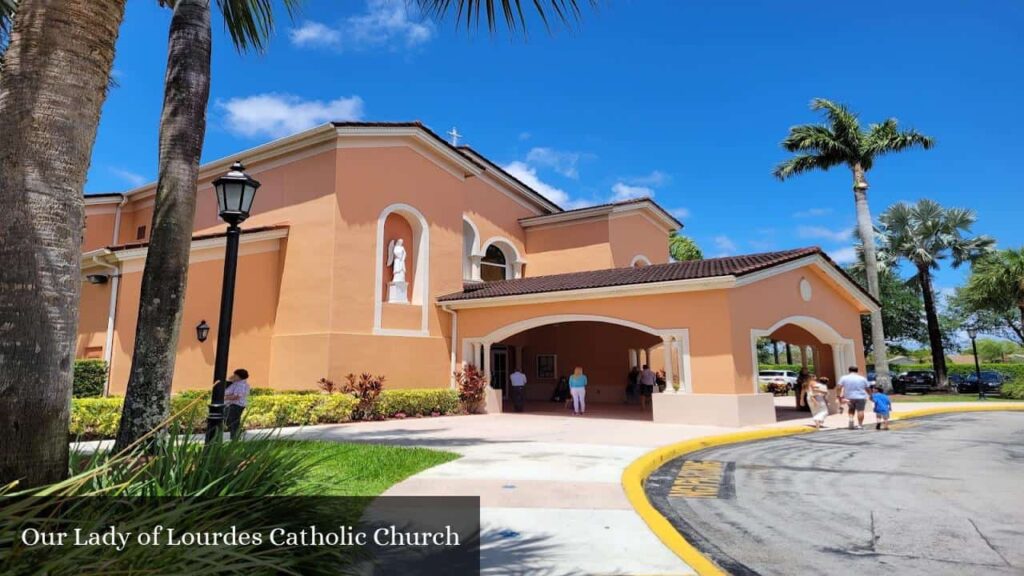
point(972, 333)
point(202, 331)
point(235, 192)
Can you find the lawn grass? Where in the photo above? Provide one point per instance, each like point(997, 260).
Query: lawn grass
point(973, 397)
point(349, 469)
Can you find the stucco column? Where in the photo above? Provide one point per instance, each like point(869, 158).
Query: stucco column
point(667, 346)
point(803, 356)
point(487, 361)
point(634, 358)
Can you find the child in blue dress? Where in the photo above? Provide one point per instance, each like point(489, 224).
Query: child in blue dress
point(883, 407)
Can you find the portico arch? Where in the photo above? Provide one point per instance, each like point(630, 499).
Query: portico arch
point(843, 350)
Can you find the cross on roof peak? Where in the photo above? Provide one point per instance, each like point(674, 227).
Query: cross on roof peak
point(454, 136)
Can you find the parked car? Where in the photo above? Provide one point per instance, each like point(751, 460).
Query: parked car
point(872, 378)
point(992, 380)
point(787, 377)
point(914, 381)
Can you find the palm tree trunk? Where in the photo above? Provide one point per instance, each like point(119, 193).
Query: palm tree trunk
point(56, 70)
point(182, 129)
point(789, 354)
point(866, 229)
point(775, 351)
point(934, 333)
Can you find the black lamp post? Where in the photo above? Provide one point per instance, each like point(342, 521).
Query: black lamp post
point(235, 193)
point(972, 333)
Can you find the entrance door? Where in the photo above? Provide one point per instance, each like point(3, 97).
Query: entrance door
point(499, 369)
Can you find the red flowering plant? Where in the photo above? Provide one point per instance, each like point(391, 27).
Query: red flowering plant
point(472, 386)
point(366, 389)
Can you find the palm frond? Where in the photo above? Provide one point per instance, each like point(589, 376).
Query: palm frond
point(843, 122)
point(802, 163)
point(250, 23)
point(887, 137)
point(815, 138)
point(468, 12)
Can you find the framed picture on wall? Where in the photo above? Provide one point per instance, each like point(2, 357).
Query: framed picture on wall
point(547, 366)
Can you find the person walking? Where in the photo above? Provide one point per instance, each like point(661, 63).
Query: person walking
point(648, 380)
point(236, 398)
point(853, 388)
point(518, 381)
point(883, 407)
point(578, 390)
point(800, 390)
point(816, 399)
point(632, 383)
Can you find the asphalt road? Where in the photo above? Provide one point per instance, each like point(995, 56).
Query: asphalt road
point(936, 495)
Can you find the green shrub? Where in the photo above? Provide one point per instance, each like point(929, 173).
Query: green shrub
point(422, 402)
point(90, 375)
point(93, 418)
point(1014, 389)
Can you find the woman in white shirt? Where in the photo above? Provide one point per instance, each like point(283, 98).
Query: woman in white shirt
point(817, 393)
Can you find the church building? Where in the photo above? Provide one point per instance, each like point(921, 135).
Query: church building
point(382, 248)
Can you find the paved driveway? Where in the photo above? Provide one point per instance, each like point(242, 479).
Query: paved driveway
point(936, 495)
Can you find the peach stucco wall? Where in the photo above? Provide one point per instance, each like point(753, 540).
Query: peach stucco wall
point(633, 235)
point(252, 324)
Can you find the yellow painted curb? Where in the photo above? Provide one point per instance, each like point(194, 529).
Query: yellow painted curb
point(636, 473)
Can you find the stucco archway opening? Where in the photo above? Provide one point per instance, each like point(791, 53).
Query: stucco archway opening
point(796, 343)
point(549, 352)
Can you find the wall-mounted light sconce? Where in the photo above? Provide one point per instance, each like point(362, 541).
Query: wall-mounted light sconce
point(97, 278)
point(202, 331)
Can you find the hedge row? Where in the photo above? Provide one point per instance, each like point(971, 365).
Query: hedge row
point(89, 378)
point(96, 418)
point(1013, 389)
point(1010, 370)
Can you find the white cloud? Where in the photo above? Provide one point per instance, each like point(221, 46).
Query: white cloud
point(655, 179)
point(565, 163)
point(680, 212)
point(278, 115)
point(813, 213)
point(820, 232)
point(725, 245)
point(528, 175)
point(622, 191)
point(391, 24)
point(133, 179)
point(843, 256)
point(314, 34)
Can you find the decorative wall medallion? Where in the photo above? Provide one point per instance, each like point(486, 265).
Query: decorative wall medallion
point(805, 289)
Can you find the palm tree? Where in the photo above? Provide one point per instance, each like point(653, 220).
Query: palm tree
point(182, 127)
point(683, 248)
point(55, 73)
point(925, 234)
point(996, 285)
point(182, 130)
point(842, 142)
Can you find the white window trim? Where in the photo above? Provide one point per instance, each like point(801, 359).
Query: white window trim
point(421, 243)
point(474, 262)
point(514, 262)
point(639, 258)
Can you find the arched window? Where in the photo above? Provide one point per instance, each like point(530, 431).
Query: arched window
point(494, 265)
point(470, 239)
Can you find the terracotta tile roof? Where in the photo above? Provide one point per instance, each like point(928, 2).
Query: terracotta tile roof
point(728, 266)
point(133, 245)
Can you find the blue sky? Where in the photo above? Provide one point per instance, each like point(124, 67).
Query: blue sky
point(686, 100)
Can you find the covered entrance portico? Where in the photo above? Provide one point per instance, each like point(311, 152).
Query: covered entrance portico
point(548, 348)
point(698, 322)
